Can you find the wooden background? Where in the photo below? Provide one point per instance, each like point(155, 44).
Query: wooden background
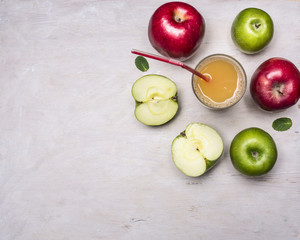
point(76, 164)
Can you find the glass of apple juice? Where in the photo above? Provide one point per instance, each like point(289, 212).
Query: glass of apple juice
point(227, 82)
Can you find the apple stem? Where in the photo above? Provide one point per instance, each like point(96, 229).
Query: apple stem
point(171, 61)
point(257, 25)
point(183, 134)
point(278, 88)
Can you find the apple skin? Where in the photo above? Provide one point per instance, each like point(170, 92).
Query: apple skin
point(275, 85)
point(176, 30)
point(253, 152)
point(252, 30)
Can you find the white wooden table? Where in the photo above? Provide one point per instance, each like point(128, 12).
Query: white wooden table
point(76, 164)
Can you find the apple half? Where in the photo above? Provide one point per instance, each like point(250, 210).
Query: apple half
point(156, 99)
point(197, 149)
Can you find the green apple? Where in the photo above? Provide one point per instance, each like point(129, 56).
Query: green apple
point(196, 149)
point(252, 30)
point(253, 152)
point(156, 99)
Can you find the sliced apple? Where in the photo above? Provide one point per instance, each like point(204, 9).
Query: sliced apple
point(196, 149)
point(156, 99)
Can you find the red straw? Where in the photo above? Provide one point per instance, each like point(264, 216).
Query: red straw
point(171, 61)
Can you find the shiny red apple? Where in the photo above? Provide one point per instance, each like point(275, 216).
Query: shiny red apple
point(275, 85)
point(176, 30)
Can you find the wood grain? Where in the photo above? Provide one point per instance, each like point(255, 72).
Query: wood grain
point(75, 163)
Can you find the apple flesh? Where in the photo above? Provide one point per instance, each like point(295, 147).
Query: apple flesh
point(176, 30)
point(275, 85)
point(156, 99)
point(197, 149)
point(252, 30)
point(253, 152)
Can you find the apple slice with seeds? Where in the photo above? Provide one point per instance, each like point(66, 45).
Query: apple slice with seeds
point(156, 99)
point(197, 149)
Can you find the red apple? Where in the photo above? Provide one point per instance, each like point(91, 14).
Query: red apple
point(176, 30)
point(275, 84)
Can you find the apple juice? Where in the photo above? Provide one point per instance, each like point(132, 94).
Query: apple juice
point(227, 82)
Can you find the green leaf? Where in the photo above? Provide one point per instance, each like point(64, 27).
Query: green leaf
point(282, 124)
point(141, 63)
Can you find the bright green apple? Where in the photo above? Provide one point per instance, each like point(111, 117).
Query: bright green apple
point(196, 149)
point(252, 30)
point(253, 152)
point(156, 99)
